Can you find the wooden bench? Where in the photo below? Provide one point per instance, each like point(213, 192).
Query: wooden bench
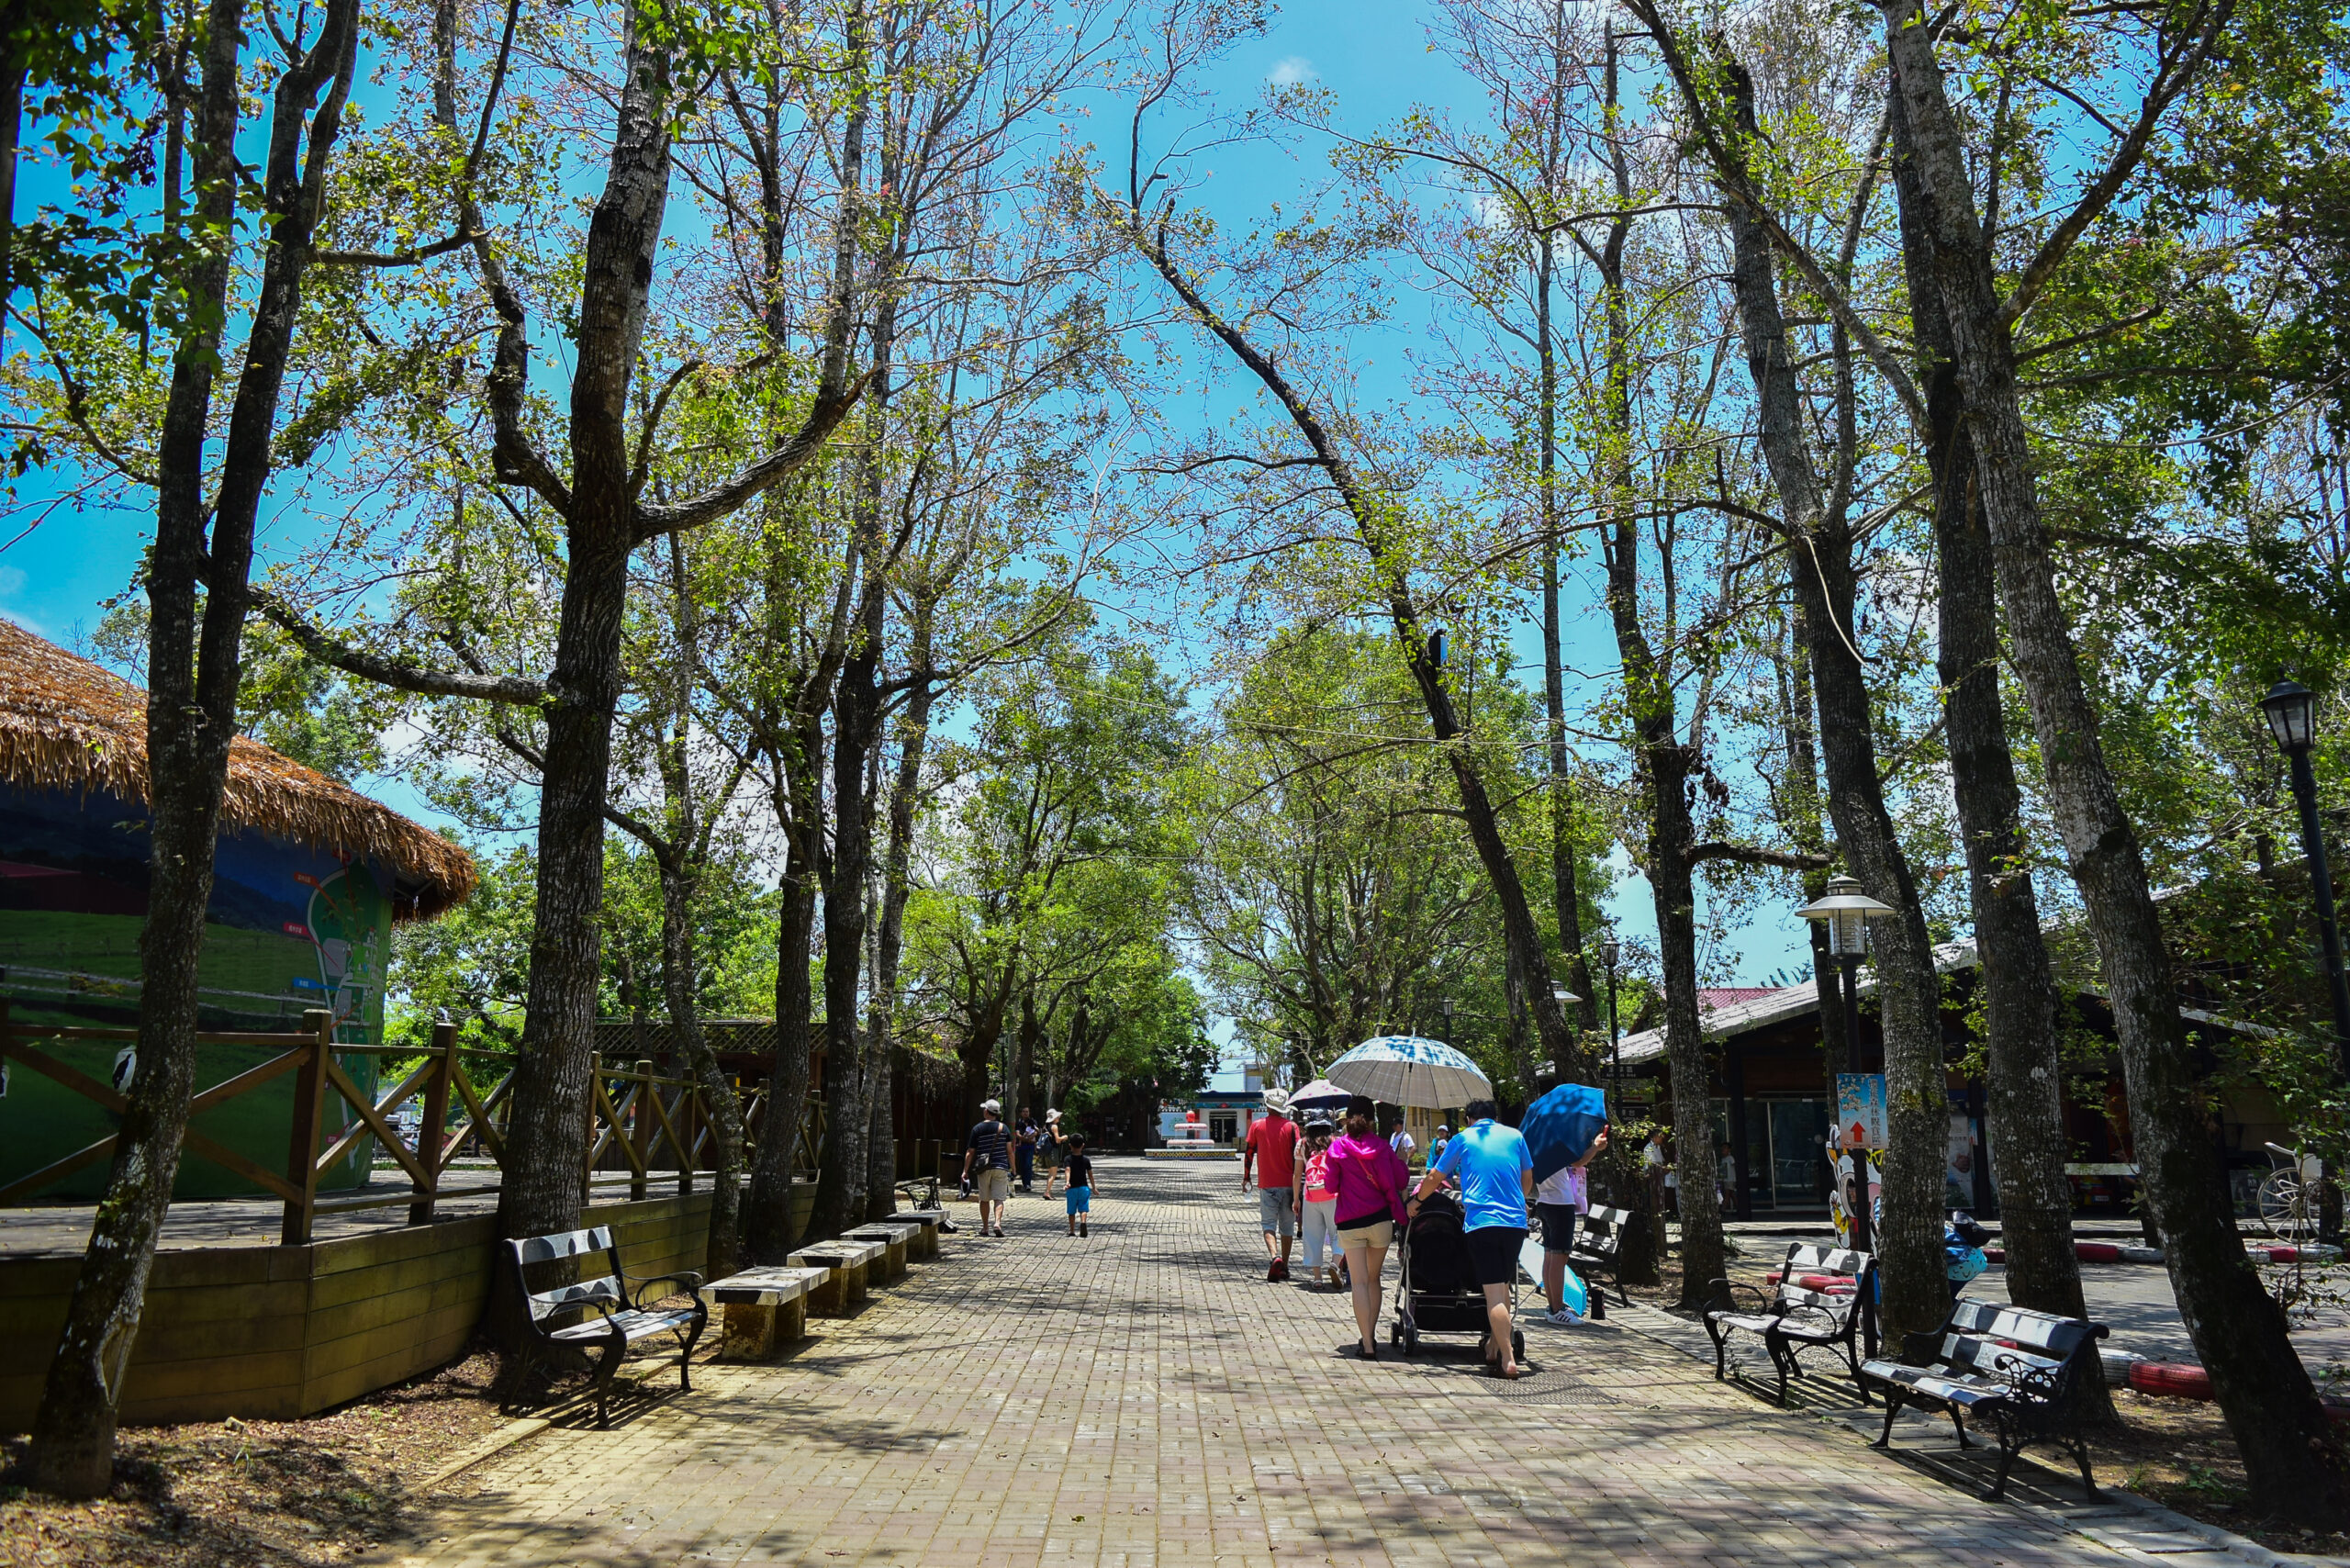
point(890, 1266)
point(1817, 1301)
point(766, 1309)
point(625, 1319)
point(2017, 1367)
point(846, 1264)
point(1598, 1238)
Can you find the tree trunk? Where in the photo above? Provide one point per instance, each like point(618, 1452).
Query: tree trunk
point(897, 873)
point(1802, 818)
point(2293, 1461)
point(1521, 937)
point(840, 1174)
point(2025, 1097)
point(1908, 1240)
point(768, 1233)
point(1565, 898)
point(194, 669)
point(679, 980)
point(1662, 763)
point(546, 1140)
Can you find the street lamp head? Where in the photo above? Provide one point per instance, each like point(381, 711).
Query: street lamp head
point(2291, 710)
point(1445, 1007)
point(1610, 951)
point(1562, 996)
point(1845, 912)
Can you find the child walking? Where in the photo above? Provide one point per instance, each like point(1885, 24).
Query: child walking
point(1317, 1204)
point(1081, 1185)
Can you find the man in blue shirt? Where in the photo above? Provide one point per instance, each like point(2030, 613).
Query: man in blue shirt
point(1494, 1171)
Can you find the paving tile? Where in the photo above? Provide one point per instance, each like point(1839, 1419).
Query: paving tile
point(1145, 1399)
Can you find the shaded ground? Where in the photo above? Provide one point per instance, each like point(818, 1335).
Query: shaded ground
point(234, 1494)
point(2174, 1451)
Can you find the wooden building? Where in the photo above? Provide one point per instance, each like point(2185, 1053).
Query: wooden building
point(1772, 1091)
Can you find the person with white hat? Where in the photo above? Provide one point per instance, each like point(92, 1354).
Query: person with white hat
point(1052, 1149)
point(1271, 1146)
point(989, 1147)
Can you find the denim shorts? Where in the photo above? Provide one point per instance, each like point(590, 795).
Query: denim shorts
point(1081, 1200)
point(1276, 1213)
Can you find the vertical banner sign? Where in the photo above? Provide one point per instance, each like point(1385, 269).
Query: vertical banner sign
point(1860, 1110)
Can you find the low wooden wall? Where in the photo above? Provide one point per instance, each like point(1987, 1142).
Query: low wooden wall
point(277, 1332)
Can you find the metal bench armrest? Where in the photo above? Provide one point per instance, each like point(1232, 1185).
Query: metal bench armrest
point(645, 1296)
point(1722, 1296)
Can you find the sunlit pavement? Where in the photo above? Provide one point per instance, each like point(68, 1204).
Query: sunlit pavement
point(1146, 1397)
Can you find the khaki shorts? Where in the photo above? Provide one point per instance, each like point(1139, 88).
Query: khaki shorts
point(995, 1185)
point(1374, 1233)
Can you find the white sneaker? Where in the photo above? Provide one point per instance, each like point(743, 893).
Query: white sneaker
point(1563, 1317)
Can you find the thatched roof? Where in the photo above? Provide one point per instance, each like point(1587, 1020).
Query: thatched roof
point(68, 724)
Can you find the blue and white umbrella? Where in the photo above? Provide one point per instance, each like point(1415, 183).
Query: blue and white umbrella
point(1405, 1069)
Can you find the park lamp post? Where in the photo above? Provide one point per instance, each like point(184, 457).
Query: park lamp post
point(1562, 996)
point(1846, 912)
point(2291, 710)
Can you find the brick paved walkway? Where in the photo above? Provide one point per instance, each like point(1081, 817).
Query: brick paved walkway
point(1146, 1398)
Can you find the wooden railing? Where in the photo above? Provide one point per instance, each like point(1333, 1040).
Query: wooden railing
point(650, 1122)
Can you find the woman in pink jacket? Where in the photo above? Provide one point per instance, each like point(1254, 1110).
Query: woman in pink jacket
point(1370, 1179)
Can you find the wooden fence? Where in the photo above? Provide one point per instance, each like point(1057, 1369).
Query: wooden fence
point(638, 1122)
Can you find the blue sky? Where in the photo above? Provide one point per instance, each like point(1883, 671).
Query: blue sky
point(1372, 55)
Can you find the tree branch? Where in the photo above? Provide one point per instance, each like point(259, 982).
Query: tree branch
point(401, 675)
point(1753, 854)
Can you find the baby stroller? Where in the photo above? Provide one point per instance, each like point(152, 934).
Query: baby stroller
point(1439, 1294)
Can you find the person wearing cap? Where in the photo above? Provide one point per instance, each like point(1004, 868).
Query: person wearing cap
point(1271, 1147)
point(1436, 1142)
point(990, 1148)
point(1052, 1149)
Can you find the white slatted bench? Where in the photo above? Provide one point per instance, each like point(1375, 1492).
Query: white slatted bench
point(2010, 1365)
point(766, 1309)
point(848, 1263)
point(623, 1317)
point(1800, 1315)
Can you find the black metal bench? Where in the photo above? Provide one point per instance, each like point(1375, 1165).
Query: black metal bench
point(1598, 1238)
point(2016, 1367)
point(624, 1319)
point(1797, 1317)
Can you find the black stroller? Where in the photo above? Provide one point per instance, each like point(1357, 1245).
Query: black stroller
point(1439, 1294)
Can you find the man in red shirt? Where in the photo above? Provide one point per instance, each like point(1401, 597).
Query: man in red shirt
point(1271, 1147)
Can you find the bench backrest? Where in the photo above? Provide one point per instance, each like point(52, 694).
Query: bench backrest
point(1808, 1258)
point(1602, 1229)
point(528, 1250)
point(2041, 1339)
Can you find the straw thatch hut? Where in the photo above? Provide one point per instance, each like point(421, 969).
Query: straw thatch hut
point(309, 876)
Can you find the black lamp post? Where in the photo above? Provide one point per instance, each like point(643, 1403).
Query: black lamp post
point(1846, 912)
point(2291, 710)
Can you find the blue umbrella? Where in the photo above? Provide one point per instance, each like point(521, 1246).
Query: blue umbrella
point(1560, 1127)
point(1405, 1069)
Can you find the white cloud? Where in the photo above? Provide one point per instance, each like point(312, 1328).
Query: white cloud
point(12, 582)
point(1291, 72)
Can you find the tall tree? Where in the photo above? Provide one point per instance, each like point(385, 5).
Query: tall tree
point(196, 591)
point(2293, 1461)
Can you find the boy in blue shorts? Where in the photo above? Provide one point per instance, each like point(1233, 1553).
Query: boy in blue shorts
point(1081, 1185)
